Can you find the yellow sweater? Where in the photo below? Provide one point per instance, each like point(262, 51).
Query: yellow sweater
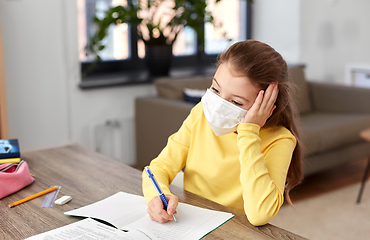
point(244, 171)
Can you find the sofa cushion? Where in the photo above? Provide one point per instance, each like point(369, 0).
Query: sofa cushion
point(193, 95)
point(329, 131)
point(173, 88)
point(301, 95)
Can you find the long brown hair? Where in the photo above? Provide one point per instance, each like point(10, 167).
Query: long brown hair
point(263, 65)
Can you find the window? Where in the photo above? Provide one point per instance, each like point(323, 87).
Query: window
point(118, 37)
point(232, 14)
point(125, 51)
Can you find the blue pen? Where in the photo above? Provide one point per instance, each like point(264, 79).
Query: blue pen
point(159, 190)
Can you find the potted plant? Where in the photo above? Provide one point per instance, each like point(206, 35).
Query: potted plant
point(158, 24)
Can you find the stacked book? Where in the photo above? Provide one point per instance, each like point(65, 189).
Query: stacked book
point(9, 151)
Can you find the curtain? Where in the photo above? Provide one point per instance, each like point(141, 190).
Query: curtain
point(3, 116)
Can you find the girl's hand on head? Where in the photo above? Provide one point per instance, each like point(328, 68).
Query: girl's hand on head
point(156, 208)
point(263, 106)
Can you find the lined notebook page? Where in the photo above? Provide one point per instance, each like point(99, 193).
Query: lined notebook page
point(128, 212)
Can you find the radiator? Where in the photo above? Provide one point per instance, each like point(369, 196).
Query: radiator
point(115, 138)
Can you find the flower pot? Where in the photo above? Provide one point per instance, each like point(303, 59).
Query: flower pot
point(158, 59)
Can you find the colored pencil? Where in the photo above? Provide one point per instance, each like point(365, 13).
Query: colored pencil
point(33, 196)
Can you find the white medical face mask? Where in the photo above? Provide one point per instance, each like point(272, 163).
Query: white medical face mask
point(222, 115)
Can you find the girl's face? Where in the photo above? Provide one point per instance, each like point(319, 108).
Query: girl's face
point(233, 87)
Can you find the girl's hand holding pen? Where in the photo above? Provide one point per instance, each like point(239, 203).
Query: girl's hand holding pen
point(156, 209)
point(263, 106)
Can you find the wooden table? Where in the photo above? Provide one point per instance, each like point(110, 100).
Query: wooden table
point(88, 177)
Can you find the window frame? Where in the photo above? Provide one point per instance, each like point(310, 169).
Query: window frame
point(136, 64)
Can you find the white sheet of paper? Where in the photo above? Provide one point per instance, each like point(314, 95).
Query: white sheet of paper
point(128, 212)
point(88, 229)
point(119, 209)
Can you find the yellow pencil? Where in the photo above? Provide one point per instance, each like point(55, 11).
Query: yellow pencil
point(33, 196)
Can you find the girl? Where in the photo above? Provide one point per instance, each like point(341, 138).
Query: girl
point(240, 144)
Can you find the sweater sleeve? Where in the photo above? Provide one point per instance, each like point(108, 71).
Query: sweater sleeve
point(171, 159)
point(263, 172)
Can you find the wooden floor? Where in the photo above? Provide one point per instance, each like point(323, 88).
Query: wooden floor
point(333, 179)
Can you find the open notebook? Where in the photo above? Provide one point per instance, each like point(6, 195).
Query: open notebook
point(128, 212)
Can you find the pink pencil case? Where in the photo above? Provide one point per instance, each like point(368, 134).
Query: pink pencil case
point(14, 177)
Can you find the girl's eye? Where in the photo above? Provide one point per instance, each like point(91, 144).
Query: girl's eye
point(236, 103)
point(214, 90)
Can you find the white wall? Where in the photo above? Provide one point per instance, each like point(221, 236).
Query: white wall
point(334, 33)
point(35, 72)
point(46, 108)
point(277, 23)
point(326, 35)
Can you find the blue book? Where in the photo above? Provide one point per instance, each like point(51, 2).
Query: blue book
point(9, 148)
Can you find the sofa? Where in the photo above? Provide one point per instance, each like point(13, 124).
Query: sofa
point(330, 116)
